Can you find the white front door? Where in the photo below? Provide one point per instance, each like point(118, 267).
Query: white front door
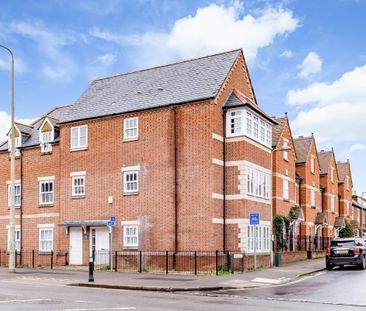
point(99, 241)
point(76, 246)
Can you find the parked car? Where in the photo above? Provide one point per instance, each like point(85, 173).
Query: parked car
point(346, 251)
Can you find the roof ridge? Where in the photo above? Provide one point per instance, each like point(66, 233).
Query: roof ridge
point(166, 65)
point(21, 123)
point(49, 112)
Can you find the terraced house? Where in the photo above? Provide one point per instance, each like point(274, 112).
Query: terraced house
point(285, 182)
point(329, 185)
point(308, 169)
point(179, 155)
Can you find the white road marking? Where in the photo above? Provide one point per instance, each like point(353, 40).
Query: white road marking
point(24, 300)
point(99, 309)
point(266, 281)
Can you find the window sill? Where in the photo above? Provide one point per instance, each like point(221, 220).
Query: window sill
point(46, 153)
point(44, 252)
point(125, 140)
point(78, 149)
point(131, 248)
point(46, 205)
point(286, 200)
point(313, 207)
point(285, 160)
point(130, 193)
point(76, 197)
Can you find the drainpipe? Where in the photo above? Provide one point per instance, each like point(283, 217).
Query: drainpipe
point(175, 180)
point(224, 181)
point(322, 191)
point(300, 182)
point(21, 206)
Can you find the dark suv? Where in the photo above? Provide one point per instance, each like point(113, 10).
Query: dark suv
point(346, 251)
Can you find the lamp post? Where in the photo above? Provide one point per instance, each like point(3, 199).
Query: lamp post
point(12, 171)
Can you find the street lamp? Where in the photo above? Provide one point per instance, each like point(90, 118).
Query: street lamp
point(12, 171)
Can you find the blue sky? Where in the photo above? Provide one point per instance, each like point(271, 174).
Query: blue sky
point(305, 57)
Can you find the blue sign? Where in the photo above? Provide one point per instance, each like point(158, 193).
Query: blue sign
point(111, 223)
point(113, 218)
point(254, 219)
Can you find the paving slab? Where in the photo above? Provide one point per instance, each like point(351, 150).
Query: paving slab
point(170, 282)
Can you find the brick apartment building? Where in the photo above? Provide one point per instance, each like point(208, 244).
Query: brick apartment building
point(285, 181)
point(308, 169)
point(329, 184)
point(179, 154)
point(345, 190)
point(359, 203)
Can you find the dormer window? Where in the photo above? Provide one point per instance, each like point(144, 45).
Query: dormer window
point(46, 135)
point(17, 138)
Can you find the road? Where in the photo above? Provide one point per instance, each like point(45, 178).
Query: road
point(335, 290)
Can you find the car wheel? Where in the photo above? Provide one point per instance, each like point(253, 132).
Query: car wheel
point(363, 263)
point(329, 267)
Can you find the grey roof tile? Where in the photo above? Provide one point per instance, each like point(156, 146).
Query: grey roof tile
point(176, 83)
point(33, 139)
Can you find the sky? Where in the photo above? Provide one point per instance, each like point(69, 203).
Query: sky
point(307, 58)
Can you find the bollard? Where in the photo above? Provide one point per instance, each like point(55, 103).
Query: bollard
point(91, 269)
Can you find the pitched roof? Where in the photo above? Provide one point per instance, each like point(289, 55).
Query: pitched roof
point(238, 99)
point(325, 157)
point(33, 140)
point(277, 130)
point(339, 222)
point(302, 148)
point(343, 170)
point(177, 83)
point(321, 218)
point(23, 128)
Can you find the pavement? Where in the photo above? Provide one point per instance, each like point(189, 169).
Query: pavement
point(171, 282)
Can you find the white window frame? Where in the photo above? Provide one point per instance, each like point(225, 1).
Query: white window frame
point(263, 238)
point(285, 147)
point(347, 208)
point(46, 137)
point(74, 186)
point(48, 242)
point(285, 189)
point(347, 182)
point(258, 183)
point(127, 242)
point(249, 124)
point(312, 198)
point(312, 164)
point(18, 194)
point(332, 203)
point(127, 128)
point(235, 118)
point(129, 172)
point(17, 239)
point(332, 175)
point(76, 130)
point(41, 182)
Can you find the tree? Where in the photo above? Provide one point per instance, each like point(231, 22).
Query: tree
point(347, 231)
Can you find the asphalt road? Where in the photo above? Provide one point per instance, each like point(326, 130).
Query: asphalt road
point(335, 290)
point(344, 287)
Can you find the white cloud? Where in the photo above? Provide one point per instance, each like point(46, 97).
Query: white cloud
point(107, 59)
point(19, 65)
point(5, 121)
point(356, 148)
point(214, 28)
point(337, 110)
point(311, 65)
point(50, 44)
point(287, 54)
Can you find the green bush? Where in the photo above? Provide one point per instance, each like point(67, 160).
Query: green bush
point(347, 231)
